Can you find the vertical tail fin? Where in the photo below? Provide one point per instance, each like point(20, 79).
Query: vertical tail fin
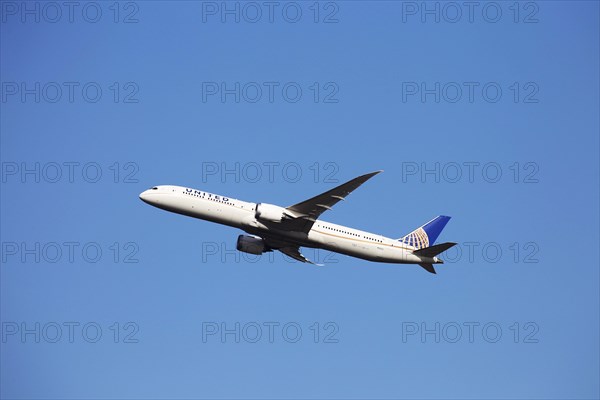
point(426, 235)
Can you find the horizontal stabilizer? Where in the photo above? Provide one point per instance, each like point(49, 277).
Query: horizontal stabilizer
point(433, 251)
point(428, 268)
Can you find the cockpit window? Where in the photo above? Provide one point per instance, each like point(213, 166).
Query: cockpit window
point(155, 188)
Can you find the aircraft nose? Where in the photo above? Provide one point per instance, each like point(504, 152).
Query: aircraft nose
point(144, 196)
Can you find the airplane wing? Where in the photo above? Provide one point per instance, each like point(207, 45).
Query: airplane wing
point(294, 252)
point(309, 210)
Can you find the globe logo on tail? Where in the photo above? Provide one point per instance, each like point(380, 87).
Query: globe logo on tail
point(417, 239)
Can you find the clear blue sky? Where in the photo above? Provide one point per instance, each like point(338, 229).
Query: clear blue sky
point(170, 123)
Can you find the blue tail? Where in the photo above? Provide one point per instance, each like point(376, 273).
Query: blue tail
point(427, 234)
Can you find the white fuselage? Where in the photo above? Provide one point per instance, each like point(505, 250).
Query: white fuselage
point(242, 215)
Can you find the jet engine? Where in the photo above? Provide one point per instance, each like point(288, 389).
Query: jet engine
point(251, 244)
point(269, 212)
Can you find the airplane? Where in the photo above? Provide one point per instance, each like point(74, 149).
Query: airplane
point(286, 229)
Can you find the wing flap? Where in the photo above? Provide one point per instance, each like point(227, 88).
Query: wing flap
point(294, 252)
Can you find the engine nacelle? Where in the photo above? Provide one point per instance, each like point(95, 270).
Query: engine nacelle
point(251, 244)
point(269, 212)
